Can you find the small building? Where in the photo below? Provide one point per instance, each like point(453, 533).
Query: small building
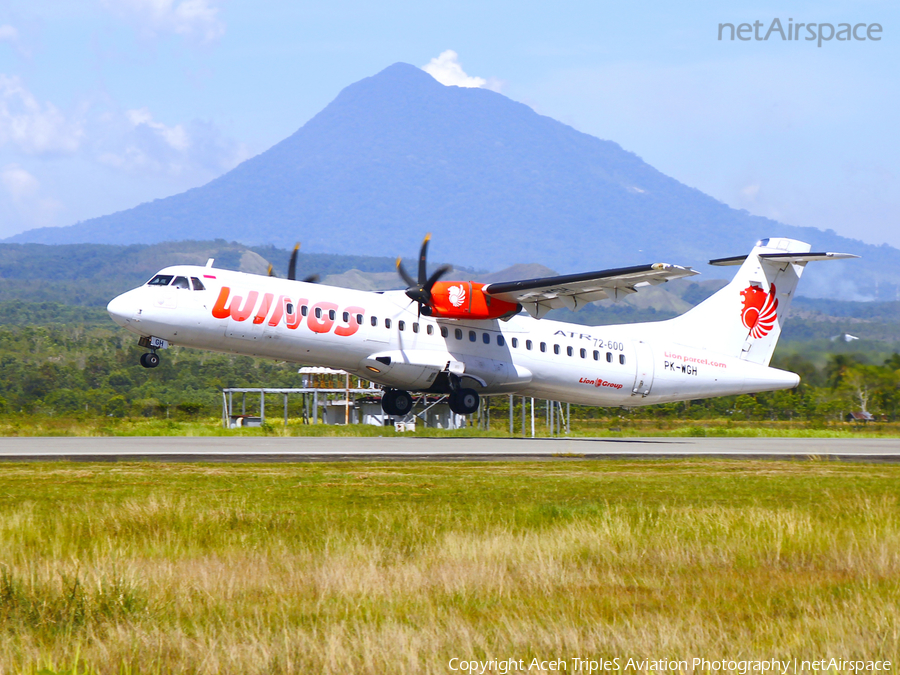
point(861, 416)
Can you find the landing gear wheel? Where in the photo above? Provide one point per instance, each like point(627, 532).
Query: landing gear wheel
point(403, 402)
point(396, 402)
point(149, 360)
point(464, 401)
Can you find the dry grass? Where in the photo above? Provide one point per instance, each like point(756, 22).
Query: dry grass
point(397, 568)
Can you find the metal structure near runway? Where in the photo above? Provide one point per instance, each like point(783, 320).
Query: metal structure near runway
point(324, 403)
point(433, 413)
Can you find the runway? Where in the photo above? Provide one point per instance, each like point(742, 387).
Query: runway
point(306, 449)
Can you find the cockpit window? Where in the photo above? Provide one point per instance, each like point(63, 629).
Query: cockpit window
point(198, 285)
point(160, 280)
point(181, 282)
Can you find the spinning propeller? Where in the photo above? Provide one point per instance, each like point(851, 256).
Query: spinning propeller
point(292, 268)
point(420, 290)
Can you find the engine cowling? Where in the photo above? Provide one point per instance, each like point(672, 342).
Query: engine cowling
point(467, 300)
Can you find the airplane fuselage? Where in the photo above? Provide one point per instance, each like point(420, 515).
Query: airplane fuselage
point(380, 337)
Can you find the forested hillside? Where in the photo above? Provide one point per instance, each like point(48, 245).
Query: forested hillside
point(60, 354)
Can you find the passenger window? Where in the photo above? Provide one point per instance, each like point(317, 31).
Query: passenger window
point(415, 327)
point(445, 331)
point(596, 355)
point(181, 282)
point(160, 280)
point(387, 323)
point(318, 312)
point(543, 346)
point(458, 334)
point(609, 357)
point(515, 342)
point(373, 320)
point(569, 351)
point(500, 341)
point(401, 325)
point(198, 285)
point(289, 308)
point(331, 314)
point(429, 329)
point(584, 353)
point(486, 338)
point(556, 349)
point(359, 319)
point(622, 359)
point(346, 317)
point(304, 310)
point(528, 344)
point(472, 336)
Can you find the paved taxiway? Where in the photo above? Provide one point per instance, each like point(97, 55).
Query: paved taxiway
point(302, 449)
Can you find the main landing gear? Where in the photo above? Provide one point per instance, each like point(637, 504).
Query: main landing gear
point(464, 401)
point(396, 402)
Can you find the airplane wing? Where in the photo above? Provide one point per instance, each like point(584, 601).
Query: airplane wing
point(539, 296)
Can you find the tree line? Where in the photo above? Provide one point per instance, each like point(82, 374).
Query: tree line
point(78, 369)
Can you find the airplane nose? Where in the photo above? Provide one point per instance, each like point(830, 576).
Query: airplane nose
point(120, 309)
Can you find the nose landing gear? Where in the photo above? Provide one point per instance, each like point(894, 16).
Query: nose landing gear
point(150, 360)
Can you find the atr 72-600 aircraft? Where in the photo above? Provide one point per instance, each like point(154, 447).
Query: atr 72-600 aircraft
point(466, 339)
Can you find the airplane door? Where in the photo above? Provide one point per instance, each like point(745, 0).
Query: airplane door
point(643, 378)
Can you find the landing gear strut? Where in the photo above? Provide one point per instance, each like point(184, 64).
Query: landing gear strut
point(396, 402)
point(150, 360)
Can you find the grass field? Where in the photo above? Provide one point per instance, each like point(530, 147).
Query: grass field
point(43, 425)
point(399, 567)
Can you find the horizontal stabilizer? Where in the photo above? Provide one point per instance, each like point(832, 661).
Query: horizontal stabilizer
point(783, 257)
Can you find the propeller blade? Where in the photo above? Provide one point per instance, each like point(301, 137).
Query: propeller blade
point(423, 259)
point(311, 279)
point(408, 280)
point(269, 272)
point(433, 279)
point(292, 265)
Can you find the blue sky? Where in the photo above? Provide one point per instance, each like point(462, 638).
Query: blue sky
point(105, 104)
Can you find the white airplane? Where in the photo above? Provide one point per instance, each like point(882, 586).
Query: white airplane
point(466, 339)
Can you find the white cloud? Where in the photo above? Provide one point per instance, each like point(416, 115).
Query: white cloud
point(9, 33)
point(20, 184)
point(32, 127)
point(176, 137)
point(191, 18)
point(134, 141)
point(446, 69)
point(26, 204)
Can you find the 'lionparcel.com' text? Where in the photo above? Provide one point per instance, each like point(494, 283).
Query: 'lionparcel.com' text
point(743, 667)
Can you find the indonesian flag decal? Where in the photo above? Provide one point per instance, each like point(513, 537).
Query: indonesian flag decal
point(760, 310)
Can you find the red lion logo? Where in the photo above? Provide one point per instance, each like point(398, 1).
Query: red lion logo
point(760, 310)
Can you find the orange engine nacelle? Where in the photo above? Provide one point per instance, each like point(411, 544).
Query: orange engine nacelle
point(466, 300)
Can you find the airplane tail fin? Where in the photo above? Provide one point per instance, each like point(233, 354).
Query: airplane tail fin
point(744, 318)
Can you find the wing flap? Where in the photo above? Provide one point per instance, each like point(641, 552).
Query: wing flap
point(538, 296)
